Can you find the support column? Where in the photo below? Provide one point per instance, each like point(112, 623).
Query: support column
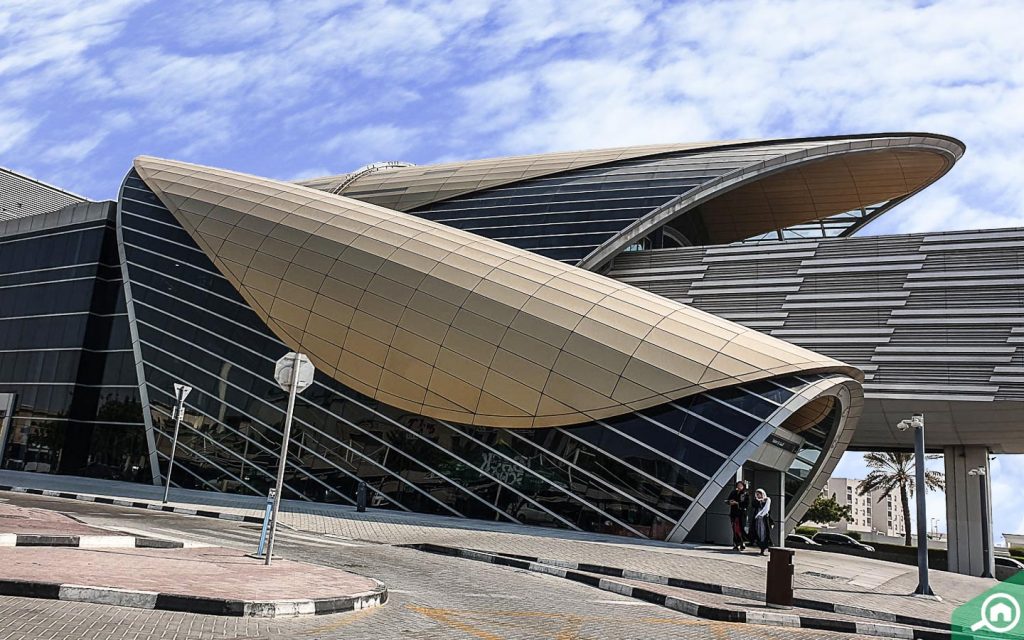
point(963, 508)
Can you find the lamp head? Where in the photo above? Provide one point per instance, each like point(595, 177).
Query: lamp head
point(903, 425)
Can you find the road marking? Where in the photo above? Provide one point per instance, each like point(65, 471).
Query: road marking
point(499, 596)
point(317, 540)
point(626, 603)
point(444, 617)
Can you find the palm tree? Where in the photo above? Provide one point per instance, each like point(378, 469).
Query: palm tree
point(890, 471)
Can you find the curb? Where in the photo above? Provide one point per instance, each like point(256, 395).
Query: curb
point(734, 592)
point(86, 542)
point(195, 604)
point(689, 607)
point(151, 506)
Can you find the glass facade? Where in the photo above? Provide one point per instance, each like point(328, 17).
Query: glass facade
point(567, 215)
point(635, 474)
point(66, 364)
point(811, 454)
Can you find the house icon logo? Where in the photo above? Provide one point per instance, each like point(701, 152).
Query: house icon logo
point(1000, 613)
point(993, 614)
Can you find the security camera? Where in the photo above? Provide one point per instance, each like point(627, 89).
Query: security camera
point(916, 421)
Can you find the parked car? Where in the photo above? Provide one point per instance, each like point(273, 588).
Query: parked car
point(797, 539)
point(840, 540)
point(1010, 563)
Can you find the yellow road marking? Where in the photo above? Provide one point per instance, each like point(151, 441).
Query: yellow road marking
point(442, 616)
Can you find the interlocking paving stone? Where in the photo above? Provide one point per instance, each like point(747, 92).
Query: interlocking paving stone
point(209, 572)
point(19, 520)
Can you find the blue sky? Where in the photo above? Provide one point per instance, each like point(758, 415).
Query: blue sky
point(298, 88)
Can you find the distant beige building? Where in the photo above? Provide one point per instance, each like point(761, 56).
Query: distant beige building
point(871, 513)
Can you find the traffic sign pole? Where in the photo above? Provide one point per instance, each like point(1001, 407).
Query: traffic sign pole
point(297, 361)
point(181, 391)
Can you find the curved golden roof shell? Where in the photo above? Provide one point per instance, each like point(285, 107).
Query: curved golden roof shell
point(408, 188)
point(451, 325)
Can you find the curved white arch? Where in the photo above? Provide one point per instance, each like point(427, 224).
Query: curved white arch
point(848, 393)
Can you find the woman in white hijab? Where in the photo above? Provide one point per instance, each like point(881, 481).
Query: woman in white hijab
point(763, 520)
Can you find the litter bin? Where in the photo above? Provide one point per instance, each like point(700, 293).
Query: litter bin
point(779, 591)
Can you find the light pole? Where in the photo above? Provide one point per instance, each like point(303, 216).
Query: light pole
point(917, 423)
point(181, 391)
point(986, 537)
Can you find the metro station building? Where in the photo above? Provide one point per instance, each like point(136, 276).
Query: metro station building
point(597, 340)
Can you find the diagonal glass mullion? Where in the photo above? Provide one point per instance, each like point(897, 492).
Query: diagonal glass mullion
point(608, 485)
point(259, 445)
point(678, 434)
point(189, 472)
point(338, 442)
point(199, 455)
point(654, 450)
point(220, 445)
point(605, 452)
point(707, 420)
point(546, 481)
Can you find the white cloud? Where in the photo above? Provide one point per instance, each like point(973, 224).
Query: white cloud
point(377, 143)
point(15, 128)
point(75, 151)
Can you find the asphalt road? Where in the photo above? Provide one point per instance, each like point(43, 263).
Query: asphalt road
point(430, 596)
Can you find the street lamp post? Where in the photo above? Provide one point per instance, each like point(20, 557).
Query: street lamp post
point(917, 423)
point(986, 537)
point(181, 391)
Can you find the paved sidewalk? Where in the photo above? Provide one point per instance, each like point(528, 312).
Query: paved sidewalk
point(18, 520)
point(209, 572)
point(846, 580)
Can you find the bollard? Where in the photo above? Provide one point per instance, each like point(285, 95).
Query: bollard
point(361, 497)
point(779, 591)
point(266, 525)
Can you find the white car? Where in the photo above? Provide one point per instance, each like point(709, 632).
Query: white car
point(796, 538)
point(1012, 563)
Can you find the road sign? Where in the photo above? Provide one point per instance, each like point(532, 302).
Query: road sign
point(294, 372)
point(283, 372)
point(181, 392)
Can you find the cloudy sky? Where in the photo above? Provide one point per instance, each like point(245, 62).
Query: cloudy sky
point(298, 88)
